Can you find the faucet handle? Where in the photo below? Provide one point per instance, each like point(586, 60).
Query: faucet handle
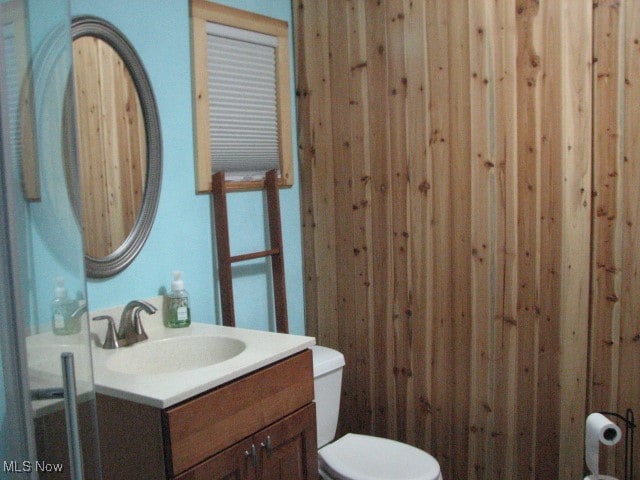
point(110, 339)
point(137, 325)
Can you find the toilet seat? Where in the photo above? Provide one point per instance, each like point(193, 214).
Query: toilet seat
point(363, 457)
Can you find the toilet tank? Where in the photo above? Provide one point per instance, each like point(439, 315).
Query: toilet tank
point(327, 375)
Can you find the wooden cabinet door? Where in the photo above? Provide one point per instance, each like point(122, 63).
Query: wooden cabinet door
point(234, 463)
point(195, 432)
point(288, 448)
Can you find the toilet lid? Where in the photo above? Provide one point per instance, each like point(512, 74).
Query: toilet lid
point(362, 457)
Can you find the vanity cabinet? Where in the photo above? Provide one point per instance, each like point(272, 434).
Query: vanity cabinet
point(261, 426)
point(281, 451)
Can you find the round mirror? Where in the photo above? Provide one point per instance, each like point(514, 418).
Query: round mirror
point(118, 142)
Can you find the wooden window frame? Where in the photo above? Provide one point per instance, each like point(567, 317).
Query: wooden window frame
point(203, 11)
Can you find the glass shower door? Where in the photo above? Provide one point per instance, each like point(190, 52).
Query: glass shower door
point(48, 425)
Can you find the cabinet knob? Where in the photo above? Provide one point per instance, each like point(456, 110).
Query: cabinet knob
point(267, 444)
point(253, 454)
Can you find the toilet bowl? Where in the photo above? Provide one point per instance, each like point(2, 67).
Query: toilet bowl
point(353, 456)
point(363, 457)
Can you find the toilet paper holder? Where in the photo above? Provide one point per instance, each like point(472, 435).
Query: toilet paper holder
point(630, 425)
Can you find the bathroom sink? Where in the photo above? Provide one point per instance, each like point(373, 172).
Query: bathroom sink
point(176, 364)
point(44, 358)
point(177, 354)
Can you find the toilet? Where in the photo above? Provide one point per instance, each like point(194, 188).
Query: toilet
point(358, 457)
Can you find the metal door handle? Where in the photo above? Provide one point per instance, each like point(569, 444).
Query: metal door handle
point(253, 454)
point(267, 445)
point(47, 393)
point(71, 415)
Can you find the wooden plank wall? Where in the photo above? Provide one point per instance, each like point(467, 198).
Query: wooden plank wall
point(614, 360)
point(448, 162)
point(112, 148)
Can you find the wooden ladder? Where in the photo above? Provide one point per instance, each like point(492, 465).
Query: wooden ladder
point(219, 193)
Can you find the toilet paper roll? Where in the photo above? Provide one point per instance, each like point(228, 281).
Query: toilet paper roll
point(599, 430)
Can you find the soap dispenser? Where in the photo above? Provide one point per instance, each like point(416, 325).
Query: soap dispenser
point(62, 320)
point(179, 313)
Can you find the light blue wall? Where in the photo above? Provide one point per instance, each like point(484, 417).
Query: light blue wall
point(54, 246)
point(181, 237)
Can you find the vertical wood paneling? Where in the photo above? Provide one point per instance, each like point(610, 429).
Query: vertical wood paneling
point(502, 166)
point(434, 429)
point(303, 38)
point(528, 313)
point(607, 142)
point(419, 228)
point(338, 79)
point(399, 321)
point(377, 104)
point(629, 244)
point(453, 184)
point(576, 28)
point(456, 192)
point(547, 356)
point(484, 281)
point(317, 144)
point(614, 360)
point(506, 407)
point(361, 225)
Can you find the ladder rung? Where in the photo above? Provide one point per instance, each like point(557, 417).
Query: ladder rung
point(251, 256)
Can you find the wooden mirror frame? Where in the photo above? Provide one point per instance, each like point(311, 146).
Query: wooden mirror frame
point(122, 256)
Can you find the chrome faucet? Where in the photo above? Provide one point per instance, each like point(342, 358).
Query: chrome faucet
point(82, 308)
point(130, 330)
point(111, 339)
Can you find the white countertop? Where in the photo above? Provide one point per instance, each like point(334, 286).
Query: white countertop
point(163, 390)
point(159, 390)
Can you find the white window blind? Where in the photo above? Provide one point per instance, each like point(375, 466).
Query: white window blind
point(243, 110)
point(13, 91)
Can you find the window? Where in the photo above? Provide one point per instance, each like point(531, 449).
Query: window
point(241, 96)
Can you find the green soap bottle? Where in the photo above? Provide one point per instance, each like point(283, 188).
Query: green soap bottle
point(179, 314)
point(62, 320)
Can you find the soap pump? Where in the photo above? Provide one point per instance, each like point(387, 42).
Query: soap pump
point(179, 314)
point(62, 320)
